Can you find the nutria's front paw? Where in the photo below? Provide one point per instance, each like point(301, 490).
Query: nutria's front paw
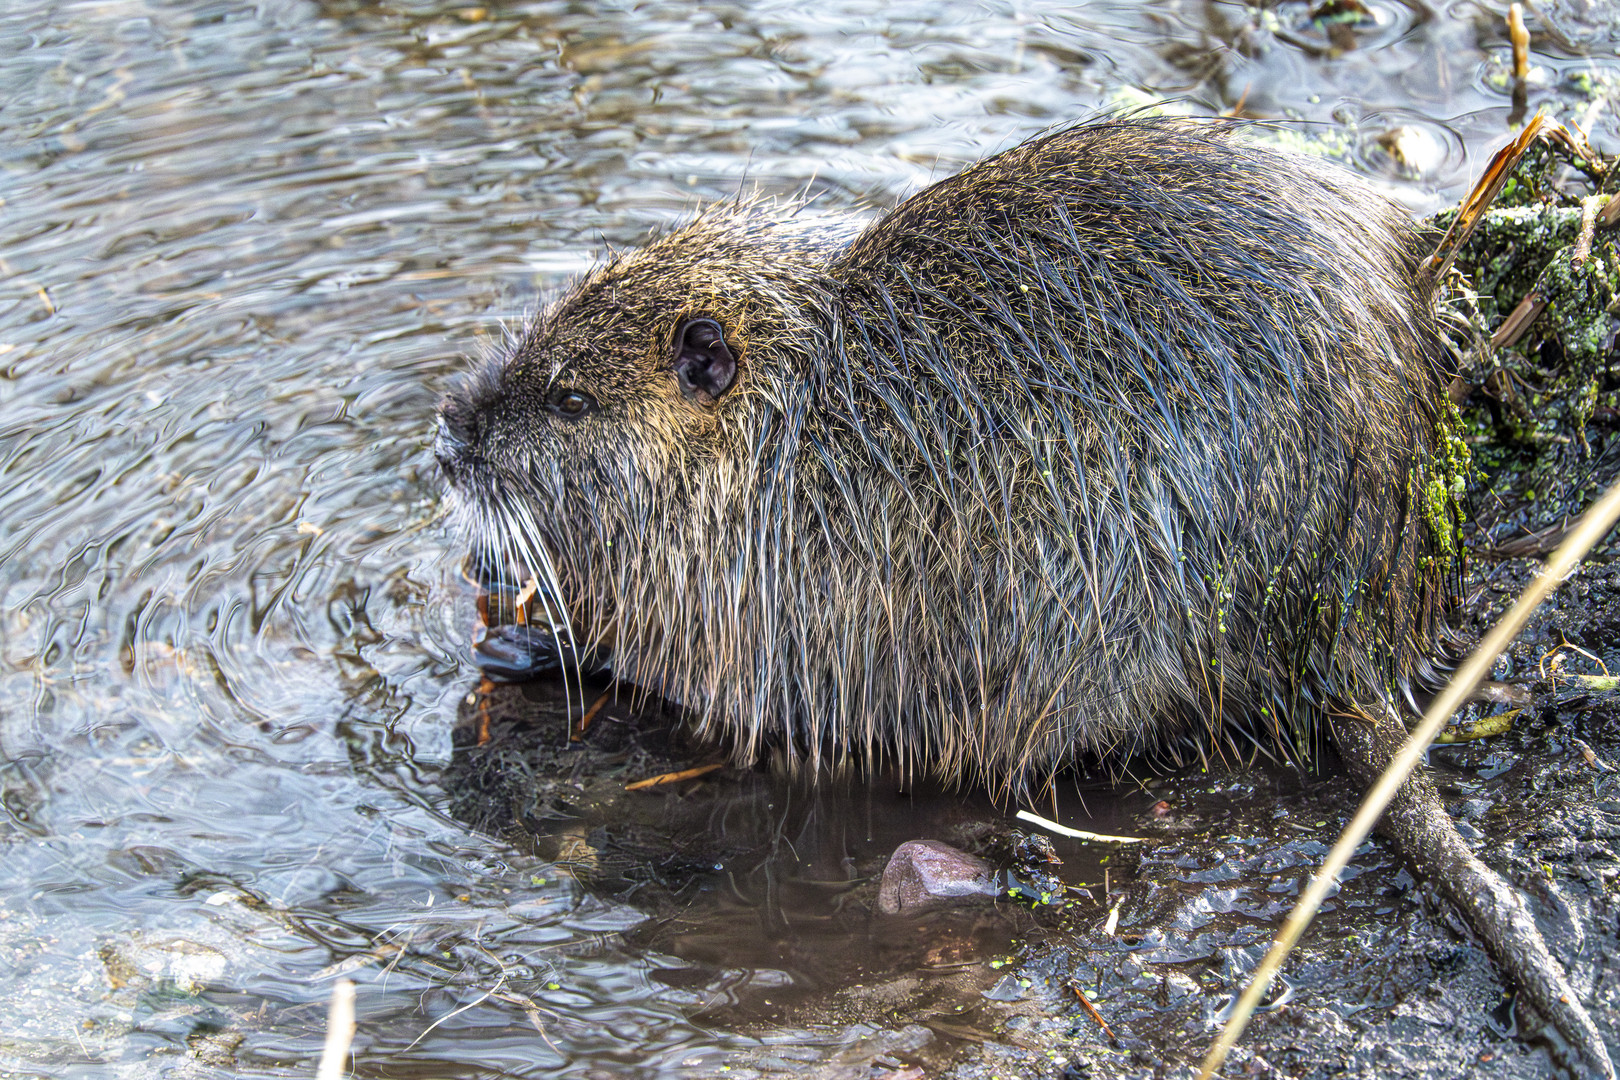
point(515, 653)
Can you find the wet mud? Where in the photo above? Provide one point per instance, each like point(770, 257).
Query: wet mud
point(762, 889)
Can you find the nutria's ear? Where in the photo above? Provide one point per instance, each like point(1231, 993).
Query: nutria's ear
point(704, 364)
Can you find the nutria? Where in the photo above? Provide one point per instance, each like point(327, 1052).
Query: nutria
point(1125, 437)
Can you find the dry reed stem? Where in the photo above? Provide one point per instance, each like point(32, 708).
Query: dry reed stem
point(339, 1032)
point(1594, 524)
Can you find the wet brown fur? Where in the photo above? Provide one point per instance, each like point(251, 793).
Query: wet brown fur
point(1110, 442)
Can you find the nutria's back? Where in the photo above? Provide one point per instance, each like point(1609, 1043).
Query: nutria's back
point(1126, 431)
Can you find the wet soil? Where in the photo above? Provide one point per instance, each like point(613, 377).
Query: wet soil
point(762, 889)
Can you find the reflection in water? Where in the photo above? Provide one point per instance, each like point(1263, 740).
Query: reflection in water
point(243, 247)
point(747, 878)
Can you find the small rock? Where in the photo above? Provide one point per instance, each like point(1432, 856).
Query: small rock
point(181, 964)
point(926, 874)
point(1178, 985)
point(1007, 989)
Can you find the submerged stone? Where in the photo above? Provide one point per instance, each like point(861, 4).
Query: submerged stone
point(926, 874)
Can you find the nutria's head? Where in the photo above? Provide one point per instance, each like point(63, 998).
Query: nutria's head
point(607, 417)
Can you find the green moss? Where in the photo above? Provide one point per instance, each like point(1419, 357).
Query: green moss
point(1511, 245)
point(1439, 484)
point(1579, 296)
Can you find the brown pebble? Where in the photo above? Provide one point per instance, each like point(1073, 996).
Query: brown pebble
point(925, 874)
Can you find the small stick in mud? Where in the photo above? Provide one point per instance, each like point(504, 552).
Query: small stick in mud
point(485, 688)
point(1541, 666)
point(675, 777)
point(1078, 834)
point(590, 714)
point(1091, 1010)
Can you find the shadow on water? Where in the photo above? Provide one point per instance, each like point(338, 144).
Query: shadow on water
point(758, 891)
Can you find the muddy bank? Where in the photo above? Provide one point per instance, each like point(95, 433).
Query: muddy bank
point(763, 893)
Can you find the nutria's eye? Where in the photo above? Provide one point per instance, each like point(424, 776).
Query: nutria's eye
point(704, 366)
point(570, 404)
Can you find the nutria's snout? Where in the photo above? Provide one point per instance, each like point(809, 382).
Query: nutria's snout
point(455, 437)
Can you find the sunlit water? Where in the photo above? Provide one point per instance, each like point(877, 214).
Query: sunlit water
point(243, 248)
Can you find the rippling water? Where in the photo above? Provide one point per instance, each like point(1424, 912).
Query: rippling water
point(243, 247)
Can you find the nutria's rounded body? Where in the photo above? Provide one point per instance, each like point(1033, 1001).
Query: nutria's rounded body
point(1116, 436)
point(1124, 436)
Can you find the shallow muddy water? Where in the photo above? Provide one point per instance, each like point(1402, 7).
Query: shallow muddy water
point(243, 249)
